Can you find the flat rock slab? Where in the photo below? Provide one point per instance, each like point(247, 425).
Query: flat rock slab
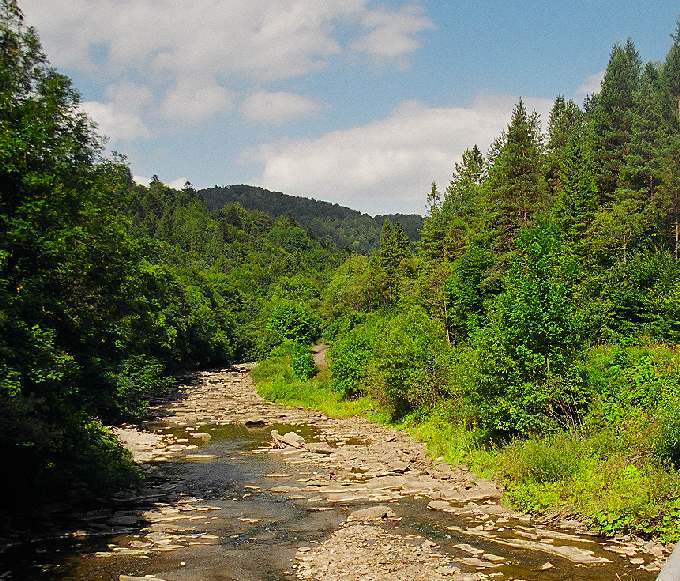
point(356, 463)
point(379, 512)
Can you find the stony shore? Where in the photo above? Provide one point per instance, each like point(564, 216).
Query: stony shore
point(381, 478)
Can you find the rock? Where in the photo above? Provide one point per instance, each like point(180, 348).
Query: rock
point(440, 505)
point(201, 436)
point(128, 578)
point(547, 565)
point(289, 439)
point(255, 423)
point(319, 448)
point(372, 513)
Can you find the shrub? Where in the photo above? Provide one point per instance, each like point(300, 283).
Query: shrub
point(528, 379)
point(667, 441)
point(349, 357)
point(135, 380)
point(291, 321)
point(409, 365)
point(302, 362)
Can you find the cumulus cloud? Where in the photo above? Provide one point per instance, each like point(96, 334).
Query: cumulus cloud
point(591, 84)
point(141, 180)
point(215, 43)
point(117, 124)
point(387, 165)
point(277, 107)
point(195, 101)
point(130, 96)
point(392, 33)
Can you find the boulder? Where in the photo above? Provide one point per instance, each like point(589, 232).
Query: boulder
point(289, 439)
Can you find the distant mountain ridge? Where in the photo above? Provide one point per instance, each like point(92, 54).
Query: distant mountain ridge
point(348, 229)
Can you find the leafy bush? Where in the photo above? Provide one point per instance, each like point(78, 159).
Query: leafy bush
point(409, 364)
point(465, 290)
point(302, 361)
point(667, 440)
point(527, 376)
point(349, 357)
point(135, 380)
point(291, 321)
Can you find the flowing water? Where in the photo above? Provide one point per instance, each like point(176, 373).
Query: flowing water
point(230, 511)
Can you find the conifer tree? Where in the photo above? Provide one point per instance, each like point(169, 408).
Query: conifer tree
point(516, 187)
point(565, 119)
point(576, 203)
point(671, 68)
point(611, 116)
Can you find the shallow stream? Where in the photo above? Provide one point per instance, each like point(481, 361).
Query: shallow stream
point(213, 515)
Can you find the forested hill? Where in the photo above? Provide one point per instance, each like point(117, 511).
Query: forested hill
point(347, 228)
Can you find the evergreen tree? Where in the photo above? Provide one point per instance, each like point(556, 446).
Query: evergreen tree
point(516, 188)
point(565, 120)
point(576, 203)
point(392, 254)
point(611, 113)
point(671, 69)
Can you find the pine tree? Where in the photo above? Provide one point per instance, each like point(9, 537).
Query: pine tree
point(610, 114)
point(565, 120)
point(392, 254)
point(515, 188)
point(576, 203)
point(671, 69)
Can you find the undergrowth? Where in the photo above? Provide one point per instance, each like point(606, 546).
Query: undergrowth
point(611, 478)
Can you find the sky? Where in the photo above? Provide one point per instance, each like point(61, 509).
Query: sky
point(359, 102)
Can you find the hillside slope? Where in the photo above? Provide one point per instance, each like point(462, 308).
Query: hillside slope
point(347, 228)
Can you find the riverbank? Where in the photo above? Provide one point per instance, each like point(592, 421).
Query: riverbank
point(358, 500)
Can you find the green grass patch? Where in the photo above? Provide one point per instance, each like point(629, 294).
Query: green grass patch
point(608, 476)
point(275, 381)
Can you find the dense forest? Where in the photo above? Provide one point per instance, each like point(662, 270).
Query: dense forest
point(346, 228)
point(108, 288)
point(532, 332)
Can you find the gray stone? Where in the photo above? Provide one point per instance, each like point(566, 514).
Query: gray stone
point(379, 512)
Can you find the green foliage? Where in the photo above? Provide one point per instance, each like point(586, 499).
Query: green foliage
point(275, 382)
point(667, 440)
point(408, 366)
point(516, 186)
point(350, 355)
point(302, 362)
point(344, 227)
point(135, 380)
point(292, 321)
point(465, 290)
point(527, 378)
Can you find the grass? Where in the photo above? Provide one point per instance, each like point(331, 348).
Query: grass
point(275, 382)
point(607, 476)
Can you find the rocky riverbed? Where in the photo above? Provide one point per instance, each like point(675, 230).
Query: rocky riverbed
point(239, 488)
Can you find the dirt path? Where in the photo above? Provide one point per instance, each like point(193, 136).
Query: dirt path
point(355, 501)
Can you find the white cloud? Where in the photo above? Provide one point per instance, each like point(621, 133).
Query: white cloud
point(387, 165)
point(591, 84)
point(195, 101)
point(130, 96)
point(259, 37)
point(115, 123)
point(177, 183)
point(392, 33)
point(212, 44)
point(141, 180)
point(277, 107)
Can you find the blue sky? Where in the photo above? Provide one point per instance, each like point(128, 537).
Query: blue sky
point(358, 102)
